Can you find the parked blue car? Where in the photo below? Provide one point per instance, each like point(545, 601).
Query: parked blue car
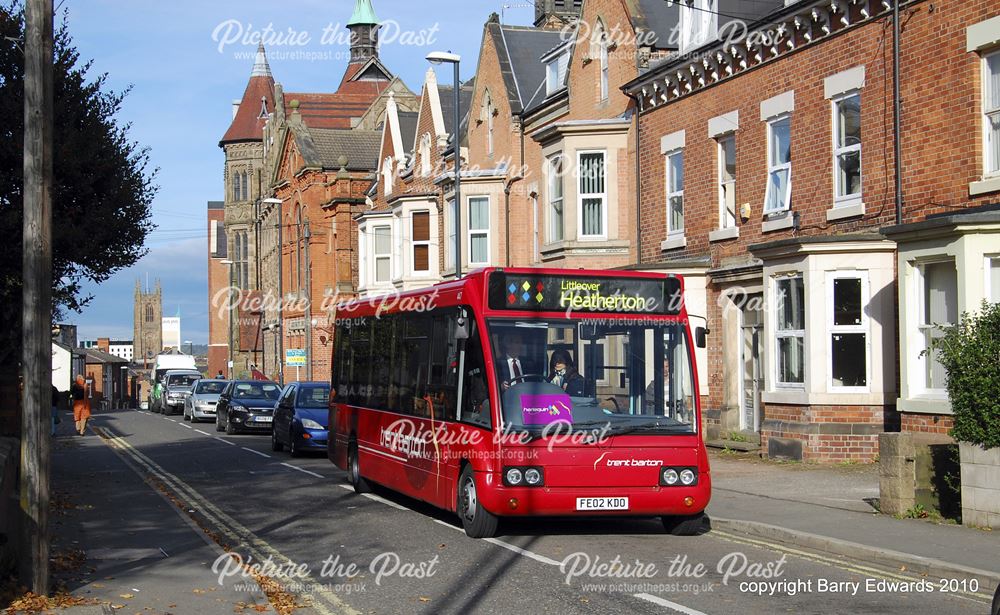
point(301, 419)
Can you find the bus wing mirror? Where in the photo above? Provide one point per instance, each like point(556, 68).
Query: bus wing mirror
point(701, 337)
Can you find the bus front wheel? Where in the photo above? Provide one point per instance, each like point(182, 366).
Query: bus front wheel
point(354, 470)
point(477, 521)
point(687, 525)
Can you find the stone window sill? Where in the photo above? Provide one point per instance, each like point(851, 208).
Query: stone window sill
point(673, 243)
point(723, 234)
point(990, 184)
point(778, 222)
point(848, 209)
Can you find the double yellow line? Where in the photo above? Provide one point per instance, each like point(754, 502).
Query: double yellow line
point(224, 525)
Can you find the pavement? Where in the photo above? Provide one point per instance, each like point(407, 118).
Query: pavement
point(122, 544)
point(141, 510)
point(833, 509)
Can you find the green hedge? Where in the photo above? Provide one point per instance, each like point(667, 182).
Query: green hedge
point(970, 355)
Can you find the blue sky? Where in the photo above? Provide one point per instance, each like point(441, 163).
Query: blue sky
point(181, 105)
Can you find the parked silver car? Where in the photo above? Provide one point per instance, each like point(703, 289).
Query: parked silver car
point(176, 389)
point(200, 404)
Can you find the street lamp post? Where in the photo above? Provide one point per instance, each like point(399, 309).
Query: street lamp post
point(444, 57)
point(229, 366)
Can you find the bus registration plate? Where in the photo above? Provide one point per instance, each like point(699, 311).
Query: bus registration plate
point(602, 503)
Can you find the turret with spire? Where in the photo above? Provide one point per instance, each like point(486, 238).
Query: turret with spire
point(255, 106)
point(364, 31)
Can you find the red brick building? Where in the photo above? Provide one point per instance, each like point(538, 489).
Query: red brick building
point(218, 281)
point(768, 176)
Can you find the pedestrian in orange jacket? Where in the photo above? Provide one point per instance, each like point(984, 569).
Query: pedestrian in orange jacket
point(81, 405)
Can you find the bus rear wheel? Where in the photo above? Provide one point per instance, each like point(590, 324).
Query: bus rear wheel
point(687, 525)
point(354, 470)
point(477, 521)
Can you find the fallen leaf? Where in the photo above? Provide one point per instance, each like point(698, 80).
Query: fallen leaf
point(424, 599)
point(126, 596)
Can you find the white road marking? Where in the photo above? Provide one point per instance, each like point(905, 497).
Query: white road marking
point(378, 498)
point(204, 433)
point(288, 465)
point(506, 545)
point(673, 606)
point(347, 487)
point(255, 452)
point(224, 441)
point(185, 425)
point(167, 418)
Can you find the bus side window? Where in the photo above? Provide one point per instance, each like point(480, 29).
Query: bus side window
point(443, 377)
point(413, 373)
point(475, 394)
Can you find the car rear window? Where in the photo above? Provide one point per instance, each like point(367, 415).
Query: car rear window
point(211, 386)
point(314, 397)
point(182, 380)
point(253, 390)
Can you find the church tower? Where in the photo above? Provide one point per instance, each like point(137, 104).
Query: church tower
point(147, 323)
point(364, 32)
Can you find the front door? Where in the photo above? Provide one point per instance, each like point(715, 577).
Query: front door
point(752, 374)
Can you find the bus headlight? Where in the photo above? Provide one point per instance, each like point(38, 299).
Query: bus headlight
point(513, 476)
point(533, 476)
point(678, 477)
point(523, 476)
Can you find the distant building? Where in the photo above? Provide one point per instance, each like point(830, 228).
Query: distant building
point(147, 324)
point(218, 280)
point(123, 349)
point(172, 332)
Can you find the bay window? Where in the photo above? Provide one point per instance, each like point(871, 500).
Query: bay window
point(847, 322)
point(938, 297)
point(555, 195)
point(382, 252)
point(420, 228)
point(790, 312)
point(993, 279)
point(593, 196)
point(479, 230)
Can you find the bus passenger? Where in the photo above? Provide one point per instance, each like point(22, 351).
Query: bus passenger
point(563, 374)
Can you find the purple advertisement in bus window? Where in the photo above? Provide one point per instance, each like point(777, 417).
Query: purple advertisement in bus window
point(545, 409)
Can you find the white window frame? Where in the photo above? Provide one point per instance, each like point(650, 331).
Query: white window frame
point(772, 167)
point(863, 328)
point(672, 192)
point(449, 233)
point(920, 376)
point(843, 200)
point(723, 183)
point(988, 282)
point(414, 243)
point(556, 177)
point(991, 168)
point(472, 233)
point(581, 196)
point(700, 13)
point(377, 256)
point(780, 334)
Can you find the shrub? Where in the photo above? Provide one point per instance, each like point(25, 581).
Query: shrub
point(970, 355)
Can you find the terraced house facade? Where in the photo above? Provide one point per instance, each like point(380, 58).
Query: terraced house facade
point(768, 171)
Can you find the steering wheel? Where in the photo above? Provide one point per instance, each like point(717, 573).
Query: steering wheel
point(525, 377)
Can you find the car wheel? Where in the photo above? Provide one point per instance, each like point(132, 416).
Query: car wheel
point(230, 428)
point(687, 525)
point(186, 417)
point(996, 602)
point(218, 423)
point(354, 470)
point(293, 450)
point(477, 521)
point(275, 444)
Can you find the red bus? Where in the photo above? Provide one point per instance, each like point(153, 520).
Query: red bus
point(525, 392)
